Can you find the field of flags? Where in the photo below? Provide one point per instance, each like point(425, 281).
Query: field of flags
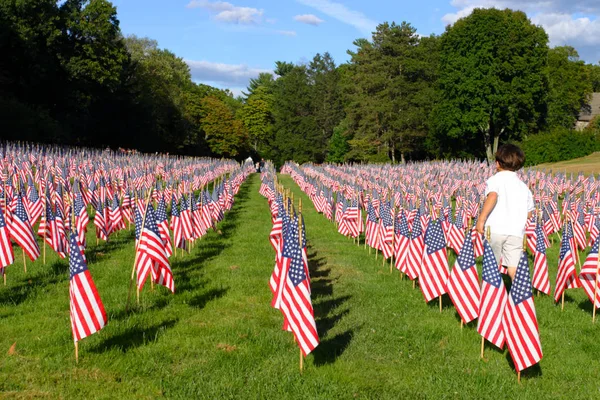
point(416, 214)
point(58, 194)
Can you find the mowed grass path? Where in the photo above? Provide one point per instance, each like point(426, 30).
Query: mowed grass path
point(218, 337)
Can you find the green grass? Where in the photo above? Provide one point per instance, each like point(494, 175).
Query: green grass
point(218, 337)
point(588, 165)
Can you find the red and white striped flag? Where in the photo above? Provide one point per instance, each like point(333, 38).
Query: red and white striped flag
point(589, 275)
point(87, 311)
point(493, 299)
point(22, 233)
point(434, 271)
point(463, 284)
point(520, 321)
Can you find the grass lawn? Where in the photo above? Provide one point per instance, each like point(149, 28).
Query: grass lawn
point(588, 165)
point(218, 337)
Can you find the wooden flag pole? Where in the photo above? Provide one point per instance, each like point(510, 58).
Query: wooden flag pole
point(519, 377)
point(77, 352)
point(301, 361)
point(24, 261)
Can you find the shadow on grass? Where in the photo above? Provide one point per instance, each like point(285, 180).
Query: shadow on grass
point(446, 302)
point(135, 337)
point(534, 371)
point(15, 294)
point(116, 242)
point(328, 351)
point(586, 305)
point(187, 270)
point(200, 301)
point(322, 287)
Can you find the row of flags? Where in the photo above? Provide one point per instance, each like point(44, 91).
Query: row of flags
point(62, 190)
point(417, 231)
point(290, 280)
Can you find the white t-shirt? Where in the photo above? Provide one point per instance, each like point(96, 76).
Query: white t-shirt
point(515, 200)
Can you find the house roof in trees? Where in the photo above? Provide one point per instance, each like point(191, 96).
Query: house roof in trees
point(587, 114)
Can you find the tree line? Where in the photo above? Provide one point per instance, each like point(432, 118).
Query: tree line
point(69, 76)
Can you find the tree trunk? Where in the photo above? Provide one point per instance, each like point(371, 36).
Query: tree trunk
point(402, 159)
point(393, 151)
point(487, 138)
point(496, 140)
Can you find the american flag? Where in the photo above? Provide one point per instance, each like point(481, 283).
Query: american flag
point(386, 230)
point(6, 252)
point(456, 236)
point(176, 225)
point(589, 274)
point(463, 284)
point(163, 226)
point(100, 222)
point(143, 263)
point(86, 308)
point(296, 304)
point(493, 299)
point(372, 227)
point(81, 218)
point(151, 243)
point(279, 274)
point(520, 321)
point(275, 237)
point(540, 263)
point(434, 272)
point(415, 249)
point(22, 233)
point(567, 274)
point(402, 242)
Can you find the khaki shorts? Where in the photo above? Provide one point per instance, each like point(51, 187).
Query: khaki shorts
point(507, 249)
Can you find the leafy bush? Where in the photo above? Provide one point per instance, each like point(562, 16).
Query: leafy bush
point(558, 145)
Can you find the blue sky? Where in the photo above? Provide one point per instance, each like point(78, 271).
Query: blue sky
point(226, 43)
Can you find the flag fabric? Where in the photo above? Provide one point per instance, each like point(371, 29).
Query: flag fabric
point(152, 245)
point(296, 303)
point(434, 271)
point(7, 256)
point(589, 275)
point(22, 233)
point(493, 299)
point(540, 263)
point(163, 226)
point(402, 242)
point(520, 320)
point(415, 250)
point(567, 274)
point(463, 284)
point(86, 309)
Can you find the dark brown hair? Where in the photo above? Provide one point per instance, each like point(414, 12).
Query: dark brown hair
point(510, 157)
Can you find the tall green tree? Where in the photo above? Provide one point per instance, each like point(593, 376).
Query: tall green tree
point(493, 81)
point(225, 134)
point(326, 99)
point(389, 89)
point(257, 116)
point(295, 130)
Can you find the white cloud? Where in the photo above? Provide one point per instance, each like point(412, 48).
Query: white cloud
point(287, 33)
point(568, 22)
point(343, 14)
point(309, 19)
point(224, 75)
point(227, 12)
